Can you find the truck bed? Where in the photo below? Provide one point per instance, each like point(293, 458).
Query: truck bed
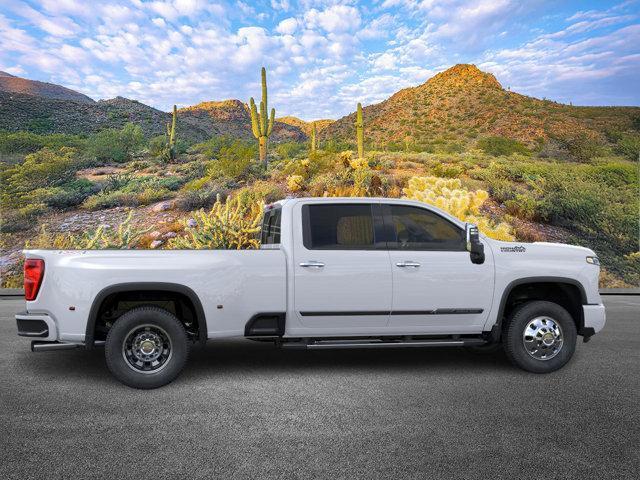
point(233, 285)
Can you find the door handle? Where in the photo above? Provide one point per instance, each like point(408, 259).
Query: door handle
point(312, 264)
point(407, 263)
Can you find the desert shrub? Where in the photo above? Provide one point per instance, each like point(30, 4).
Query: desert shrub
point(295, 183)
point(629, 146)
point(262, 192)
point(450, 196)
point(447, 170)
point(289, 150)
point(126, 198)
point(234, 159)
point(228, 225)
point(581, 146)
point(27, 142)
point(157, 145)
point(45, 168)
point(498, 146)
point(190, 200)
point(124, 236)
point(116, 145)
point(68, 195)
point(523, 206)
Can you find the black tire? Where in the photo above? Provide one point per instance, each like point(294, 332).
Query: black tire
point(514, 337)
point(166, 332)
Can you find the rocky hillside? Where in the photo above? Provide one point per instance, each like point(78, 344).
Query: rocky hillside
point(12, 85)
point(47, 108)
point(464, 103)
point(305, 126)
point(232, 117)
point(20, 111)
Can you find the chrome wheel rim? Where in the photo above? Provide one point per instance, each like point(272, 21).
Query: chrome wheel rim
point(147, 349)
point(542, 338)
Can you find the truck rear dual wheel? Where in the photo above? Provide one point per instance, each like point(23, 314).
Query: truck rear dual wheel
point(147, 347)
point(540, 337)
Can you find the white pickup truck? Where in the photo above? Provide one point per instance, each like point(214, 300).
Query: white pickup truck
point(331, 273)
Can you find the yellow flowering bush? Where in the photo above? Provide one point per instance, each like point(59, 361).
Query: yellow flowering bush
point(449, 195)
point(228, 225)
point(295, 183)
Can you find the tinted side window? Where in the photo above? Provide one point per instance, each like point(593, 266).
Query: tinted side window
point(419, 229)
point(270, 233)
point(337, 227)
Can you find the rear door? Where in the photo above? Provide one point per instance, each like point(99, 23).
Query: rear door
point(341, 267)
point(436, 288)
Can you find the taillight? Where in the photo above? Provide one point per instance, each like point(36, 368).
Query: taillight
point(33, 273)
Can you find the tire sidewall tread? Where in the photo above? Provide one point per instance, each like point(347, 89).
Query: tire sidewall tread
point(512, 337)
point(138, 316)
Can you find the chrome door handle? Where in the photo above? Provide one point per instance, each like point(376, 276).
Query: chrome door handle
point(408, 263)
point(312, 264)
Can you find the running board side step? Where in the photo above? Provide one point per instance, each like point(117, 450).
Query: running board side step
point(50, 346)
point(337, 344)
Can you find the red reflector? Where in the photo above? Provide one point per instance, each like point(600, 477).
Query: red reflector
point(33, 273)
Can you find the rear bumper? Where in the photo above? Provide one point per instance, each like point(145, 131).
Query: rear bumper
point(594, 318)
point(38, 326)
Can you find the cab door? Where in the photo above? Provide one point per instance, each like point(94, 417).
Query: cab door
point(342, 275)
point(436, 288)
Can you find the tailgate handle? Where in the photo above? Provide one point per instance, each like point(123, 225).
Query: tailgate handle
point(312, 264)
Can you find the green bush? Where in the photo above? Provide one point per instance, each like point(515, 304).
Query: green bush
point(629, 146)
point(45, 168)
point(116, 145)
point(498, 146)
point(120, 198)
point(28, 142)
point(233, 160)
point(582, 146)
point(289, 150)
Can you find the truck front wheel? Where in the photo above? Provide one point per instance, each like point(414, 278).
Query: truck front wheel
point(147, 347)
point(540, 337)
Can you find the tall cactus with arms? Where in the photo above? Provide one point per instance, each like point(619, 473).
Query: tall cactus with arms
point(360, 131)
point(171, 136)
point(260, 124)
point(314, 141)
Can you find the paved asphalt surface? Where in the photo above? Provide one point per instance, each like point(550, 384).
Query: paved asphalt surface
point(247, 410)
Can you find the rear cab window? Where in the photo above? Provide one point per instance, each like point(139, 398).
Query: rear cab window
point(270, 231)
point(341, 226)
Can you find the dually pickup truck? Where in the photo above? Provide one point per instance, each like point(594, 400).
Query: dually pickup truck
point(330, 273)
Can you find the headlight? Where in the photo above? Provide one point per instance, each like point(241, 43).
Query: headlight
point(593, 260)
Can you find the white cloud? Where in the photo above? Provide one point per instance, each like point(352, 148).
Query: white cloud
point(287, 26)
point(159, 22)
point(335, 19)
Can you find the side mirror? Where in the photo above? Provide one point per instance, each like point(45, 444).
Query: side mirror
point(474, 246)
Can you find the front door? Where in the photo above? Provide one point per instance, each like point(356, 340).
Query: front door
point(342, 272)
point(436, 288)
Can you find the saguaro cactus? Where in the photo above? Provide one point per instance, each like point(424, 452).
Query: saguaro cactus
point(314, 138)
point(260, 124)
point(360, 132)
point(171, 135)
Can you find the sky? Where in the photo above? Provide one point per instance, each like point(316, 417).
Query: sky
point(322, 57)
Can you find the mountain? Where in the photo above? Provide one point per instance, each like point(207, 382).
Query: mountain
point(48, 108)
point(305, 126)
point(16, 85)
point(232, 117)
point(464, 103)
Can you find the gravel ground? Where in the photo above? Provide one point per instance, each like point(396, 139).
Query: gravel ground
point(247, 410)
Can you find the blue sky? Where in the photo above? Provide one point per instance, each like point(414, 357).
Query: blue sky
point(322, 56)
